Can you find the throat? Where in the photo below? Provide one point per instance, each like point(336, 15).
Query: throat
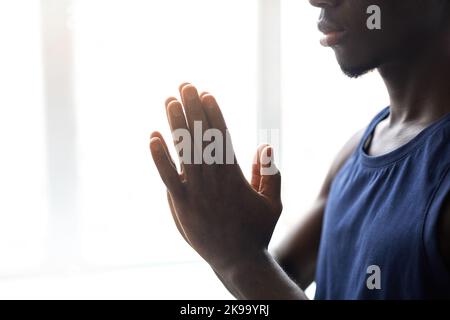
point(385, 139)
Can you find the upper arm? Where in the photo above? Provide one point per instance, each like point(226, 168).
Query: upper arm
point(297, 254)
point(444, 232)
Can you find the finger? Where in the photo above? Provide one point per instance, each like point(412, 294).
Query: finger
point(180, 88)
point(193, 107)
point(256, 168)
point(196, 120)
point(169, 100)
point(176, 218)
point(177, 120)
point(215, 140)
point(270, 185)
point(156, 134)
point(175, 115)
point(182, 139)
point(213, 112)
point(217, 121)
point(204, 93)
point(166, 170)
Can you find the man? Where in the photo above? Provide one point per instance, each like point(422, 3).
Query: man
point(380, 227)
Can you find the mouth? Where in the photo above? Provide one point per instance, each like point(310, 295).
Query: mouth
point(333, 35)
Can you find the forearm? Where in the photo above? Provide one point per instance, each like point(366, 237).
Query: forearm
point(228, 287)
point(303, 276)
point(297, 254)
point(261, 278)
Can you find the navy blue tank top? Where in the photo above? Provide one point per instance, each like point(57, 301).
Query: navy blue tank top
point(380, 236)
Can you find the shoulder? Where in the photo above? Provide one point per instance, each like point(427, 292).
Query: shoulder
point(438, 213)
point(340, 159)
point(346, 151)
point(444, 230)
point(350, 146)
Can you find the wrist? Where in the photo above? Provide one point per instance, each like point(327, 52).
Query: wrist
point(250, 264)
point(258, 276)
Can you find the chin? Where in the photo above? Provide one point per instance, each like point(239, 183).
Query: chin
point(355, 59)
point(354, 70)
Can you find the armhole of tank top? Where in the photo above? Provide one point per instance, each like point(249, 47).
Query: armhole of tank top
point(439, 271)
point(369, 130)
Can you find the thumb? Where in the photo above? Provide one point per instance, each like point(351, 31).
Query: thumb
point(256, 167)
point(270, 184)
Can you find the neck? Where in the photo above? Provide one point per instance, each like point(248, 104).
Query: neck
point(418, 87)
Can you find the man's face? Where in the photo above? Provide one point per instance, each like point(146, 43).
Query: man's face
point(406, 25)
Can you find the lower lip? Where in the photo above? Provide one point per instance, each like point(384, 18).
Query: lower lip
point(332, 39)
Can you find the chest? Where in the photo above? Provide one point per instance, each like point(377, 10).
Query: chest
point(385, 139)
point(379, 211)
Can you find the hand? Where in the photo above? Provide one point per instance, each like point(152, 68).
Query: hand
point(223, 217)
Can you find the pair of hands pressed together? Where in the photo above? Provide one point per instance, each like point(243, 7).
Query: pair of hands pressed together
point(226, 219)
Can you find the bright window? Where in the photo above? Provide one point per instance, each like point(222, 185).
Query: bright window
point(83, 84)
point(82, 204)
point(23, 181)
point(129, 57)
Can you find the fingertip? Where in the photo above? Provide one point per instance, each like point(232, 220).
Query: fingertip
point(208, 99)
point(262, 146)
point(257, 156)
point(174, 108)
point(155, 145)
point(173, 102)
point(190, 92)
point(169, 100)
point(181, 86)
point(155, 134)
point(266, 157)
point(203, 94)
point(269, 151)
